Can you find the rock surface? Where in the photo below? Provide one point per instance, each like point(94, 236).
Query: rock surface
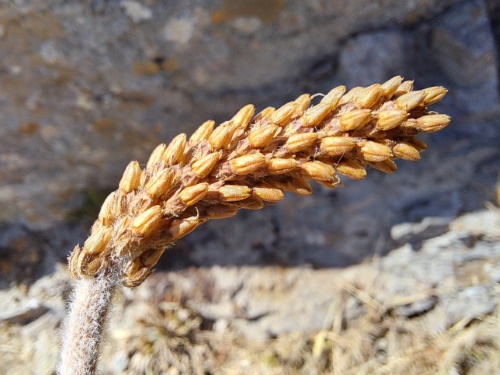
point(85, 87)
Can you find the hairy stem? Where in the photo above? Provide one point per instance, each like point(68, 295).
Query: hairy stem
point(83, 329)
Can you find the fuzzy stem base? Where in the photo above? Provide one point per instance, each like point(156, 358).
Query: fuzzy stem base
point(83, 328)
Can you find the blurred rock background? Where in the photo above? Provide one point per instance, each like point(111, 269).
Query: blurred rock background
point(87, 86)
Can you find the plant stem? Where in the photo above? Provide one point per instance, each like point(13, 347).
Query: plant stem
point(82, 331)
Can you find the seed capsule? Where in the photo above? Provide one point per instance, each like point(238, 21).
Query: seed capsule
point(202, 168)
point(434, 95)
point(418, 144)
point(300, 141)
point(150, 257)
point(221, 211)
point(283, 114)
point(410, 100)
point(433, 123)
point(333, 97)
point(369, 96)
point(247, 164)
point(261, 136)
point(264, 114)
point(159, 183)
point(267, 193)
point(337, 145)
point(314, 115)
point(354, 119)
point(319, 171)
point(148, 221)
point(303, 102)
point(175, 150)
point(374, 151)
point(106, 212)
point(202, 133)
point(406, 151)
point(131, 177)
point(193, 194)
point(387, 166)
point(390, 119)
point(234, 193)
point(352, 169)
point(98, 241)
point(221, 136)
point(243, 117)
point(281, 165)
point(389, 87)
point(182, 227)
point(156, 155)
point(404, 88)
point(299, 186)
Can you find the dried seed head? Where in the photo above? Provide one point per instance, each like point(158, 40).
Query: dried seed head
point(98, 240)
point(387, 166)
point(193, 194)
point(389, 87)
point(356, 119)
point(147, 222)
point(234, 193)
point(175, 150)
point(159, 183)
point(406, 151)
point(156, 155)
point(283, 114)
point(268, 194)
point(314, 115)
point(243, 117)
point(300, 141)
point(262, 136)
point(337, 145)
point(333, 97)
point(352, 169)
point(202, 168)
point(131, 177)
point(434, 95)
point(374, 151)
point(410, 100)
point(247, 164)
point(433, 123)
point(390, 119)
point(281, 165)
point(202, 133)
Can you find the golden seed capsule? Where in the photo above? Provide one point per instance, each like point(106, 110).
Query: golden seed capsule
point(314, 115)
point(251, 203)
point(351, 94)
point(131, 177)
point(410, 100)
point(150, 257)
point(175, 150)
point(106, 211)
point(247, 164)
point(300, 141)
point(202, 168)
point(333, 97)
point(281, 165)
point(182, 227)
point(374, 151)
point(264, 114)
point(404, 88)
point(193, 194)
point(406, 151)
point(98, 241)
point(156, 155)
point(434, 95)
point(221, 211)
point(369, 96)
point(337, 145)
point(389, 87)
point(386, 166)
point(202, 133)
point(221, 136)
point(262, 136)
point(159, 183)
point(73, 262)
point(390, 119)
point(354, 119)
point(243, 117)
point(299, 186)
point(94, 266)
point(145, 223)
point(283, 114)
point(352, 169)
point(234, 193)
point(319, 171)
point(267, 193)
point(303, 102)
point(433, 123)
point(418, 144)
